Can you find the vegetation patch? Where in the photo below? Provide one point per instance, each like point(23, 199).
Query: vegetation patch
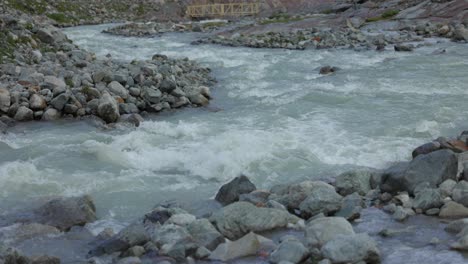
point(280, 18)
point(60, 17)
point(385, 15)
point(38, 7)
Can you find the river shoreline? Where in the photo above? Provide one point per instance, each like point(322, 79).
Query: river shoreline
point(361, 215)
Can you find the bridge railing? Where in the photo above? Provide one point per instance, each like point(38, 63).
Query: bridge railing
point(223, 10)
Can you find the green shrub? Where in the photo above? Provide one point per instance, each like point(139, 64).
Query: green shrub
point(389, 13)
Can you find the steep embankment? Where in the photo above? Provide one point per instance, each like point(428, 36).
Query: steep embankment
point(71, 12)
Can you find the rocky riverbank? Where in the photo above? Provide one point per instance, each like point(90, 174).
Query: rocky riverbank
point(46, 77)
point(322, 218)
point(152, 29)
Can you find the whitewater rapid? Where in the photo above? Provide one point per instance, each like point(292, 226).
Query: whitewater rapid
point(273, 118)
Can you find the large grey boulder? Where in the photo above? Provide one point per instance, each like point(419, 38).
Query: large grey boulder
point(170, 234)
point(60, 101)
point(293, 195)
point(51, 35)
point(323, 199)
point(37, 102)
point(290, 250)
point(351, 249)
point(240, 218)
point(230, 192)
point(427, 199)
point(248, 245)
point(132, 235)
point(117, 89)
point(205, 234)
point(51, 114)
point(55, 84)
point(321, 230)
point(108, 108)
point(433, 169)
point(5, 100)
point(453, 210)
point(354, 181)
point(460, 193)
point(64, 213)
point(152, 95)
point(24, 114)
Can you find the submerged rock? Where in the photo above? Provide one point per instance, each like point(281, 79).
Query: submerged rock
point(352, 249)
point(248, 245)
point(237, 219)
point(321, 230)
point(290, 250)
point(65, 213)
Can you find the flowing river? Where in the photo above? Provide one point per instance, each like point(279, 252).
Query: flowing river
point(273, 118)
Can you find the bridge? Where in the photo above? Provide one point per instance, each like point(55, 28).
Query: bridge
point(223, 10)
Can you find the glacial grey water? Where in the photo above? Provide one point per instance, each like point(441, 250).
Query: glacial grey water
point(279, 121)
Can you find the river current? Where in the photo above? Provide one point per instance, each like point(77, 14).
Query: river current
point(273, 118)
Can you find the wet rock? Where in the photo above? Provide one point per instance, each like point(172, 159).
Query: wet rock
point(426, 149)
point(198, 99)
point(135, 251)
point(237, 219)
point(45, 260)
point(323, 199)
point(231, 191)
point(328, 70)
point(403, 47)
point(290, 250)
point(51, 114)
point(351, 249)
point(247, 245)
point(427, 199)
point(132, 235)
point(433, 168)
point(170, 235)
point(64, 213)
point(446, 188)
point(401, 214)
point(351, 207)
point(457, 226)
point(453, 210)
point(161, 214)
point(293, 195)
point(181, 219)
point(321, 230)
point(5, 100)
point(50, 35)
point(256, 197)
point(24, 114)
point(354, 181)
point(205, 234)
point(460, 193)
point(134, 119)
point(20, 232)
point(108, 109)
point(129, 260)
point(461, 244)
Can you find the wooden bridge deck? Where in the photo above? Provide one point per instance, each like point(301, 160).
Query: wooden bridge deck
point(223, 10)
